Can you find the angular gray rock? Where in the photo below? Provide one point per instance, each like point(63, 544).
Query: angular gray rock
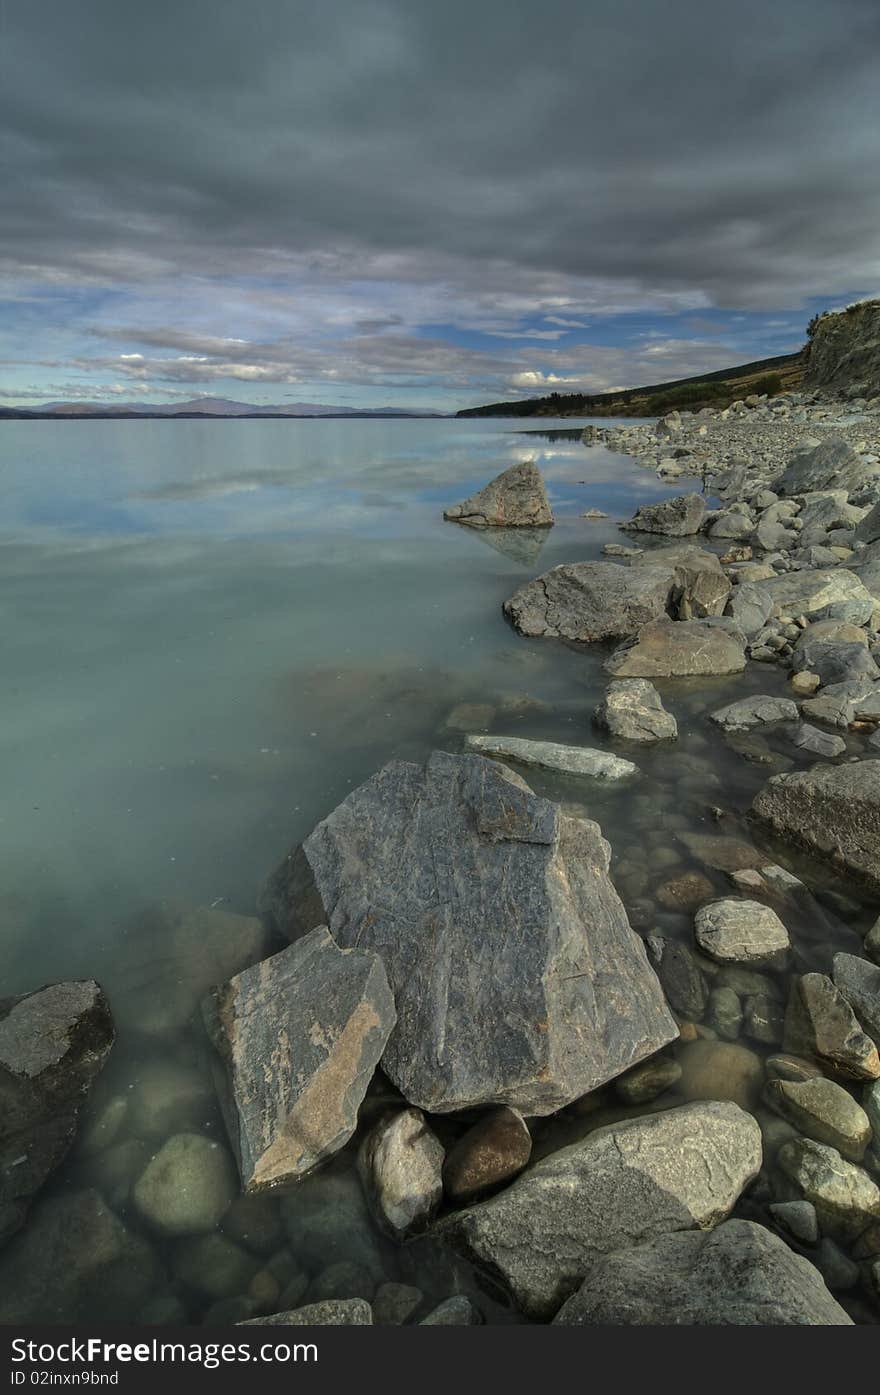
point(831, 465)
point(754, 712)
point(810, 591)
point(334, 1312)
point(834, 661)
point(588, 601)
point(749, 607)
point(824, 1111)
point(680, 975)
point(401, 1166)
point(820, 1023)
point(678, 517)
point(742, 932)
point(517, 498)
point(834, 810)
point(53, 1043)
point(738, 1274)
point(682, 649)
point(516, 976)
point(632, 710)
point(859, 982)
point(699, 584)
point(550, 755)
point(299, 1037)
point(819, 743)
point(681, 1169)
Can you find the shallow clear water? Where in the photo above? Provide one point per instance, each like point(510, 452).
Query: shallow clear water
point(211, 632)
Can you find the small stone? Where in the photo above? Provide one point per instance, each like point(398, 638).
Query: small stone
point(725, 1013)
point(187, 1185)
point(400, 1163)
point(751, 712)
point(742, 932)
point(680, 975)
point(836, 1268)
point(550, 755)
point(784, 1066)
point(471, 716)
point(213, 1266)
point(798, 1218)
point(632, 711)
point(394, 1304)
point(452, 1312)
point(819, 743)
point(168, 1097)
point(494, 1150)
point(859, 982)
point(685, 893)
point(822, 1110)
point(649, 1080)
point(345, 1279)
point(720, 1070)
point(819, 1022)
point(763, 1019)
point(845, 1197)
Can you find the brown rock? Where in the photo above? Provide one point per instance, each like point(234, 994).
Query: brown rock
point(685, 893)
point(494, 1150)
point(721, 1070)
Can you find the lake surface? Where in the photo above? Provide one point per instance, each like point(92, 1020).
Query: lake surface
point(212, 631)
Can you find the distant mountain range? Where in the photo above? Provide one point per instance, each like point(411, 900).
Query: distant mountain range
point(208, 407)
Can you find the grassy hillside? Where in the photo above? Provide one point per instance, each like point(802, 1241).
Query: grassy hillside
point(719, 389)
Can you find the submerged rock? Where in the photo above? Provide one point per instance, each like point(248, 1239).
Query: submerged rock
point(53, 1043)
point(515, 973)
point(74, 1259)
point(687, 648)
point(496, 1148)
point(589, 601)
point(742, 932)
point(833, 809)
point(738, 1274)
point(187, 1186)
point(678, 517)
point(721, 1070)
point(680, 1169)
point(632, 711)
point(756, 711)
point(299, 1036)
point(401, 1163)
point(457, 1311)
point(517, 498)
point(550, 755)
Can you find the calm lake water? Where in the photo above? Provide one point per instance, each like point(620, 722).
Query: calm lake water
point(211, 632)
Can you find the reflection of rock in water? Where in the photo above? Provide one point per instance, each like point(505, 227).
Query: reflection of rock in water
point(521, 545)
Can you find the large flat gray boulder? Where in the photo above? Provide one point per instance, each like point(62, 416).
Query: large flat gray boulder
point(738, 1274)
point(833, 810)
point(53, 1043)
point(589, 601)
point(516, 498)
point(679, 517)
point(682, 1169)
point(299, 1037)
point(679, 649)
point(516, 976)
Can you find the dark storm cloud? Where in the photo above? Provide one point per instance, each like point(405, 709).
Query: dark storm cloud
point(724, 150)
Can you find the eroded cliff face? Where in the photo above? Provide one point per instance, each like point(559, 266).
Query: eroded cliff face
point(844, 350)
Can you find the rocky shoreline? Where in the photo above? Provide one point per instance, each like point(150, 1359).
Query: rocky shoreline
point(581, 1089)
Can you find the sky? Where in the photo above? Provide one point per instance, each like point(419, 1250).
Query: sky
point(425, 203)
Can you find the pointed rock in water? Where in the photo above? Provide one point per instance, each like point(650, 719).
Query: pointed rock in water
point(550, 755)
point(682, 649)
point(681, 1169)
point(833, 809)
point(517, 498)
point(300, 1036)
point(401, 1163)
point(751, 712)
point(515, 972)
point(53, 1043)
point(738, 1274)
point(820, 1023)
point(742, 932)
point(589, 601)
point(677, 518)
point(632, 711)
